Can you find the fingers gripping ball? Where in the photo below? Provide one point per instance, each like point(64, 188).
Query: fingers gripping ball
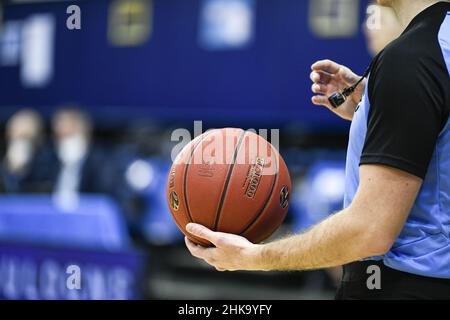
point(232, 181)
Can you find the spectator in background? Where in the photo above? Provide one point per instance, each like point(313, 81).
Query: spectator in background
point(25, 166)
point(80, 163)
point(381, 28)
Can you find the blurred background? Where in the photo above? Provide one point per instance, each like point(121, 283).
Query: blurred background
point(89, 97)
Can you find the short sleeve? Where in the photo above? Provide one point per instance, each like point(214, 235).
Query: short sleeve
point(406, 114)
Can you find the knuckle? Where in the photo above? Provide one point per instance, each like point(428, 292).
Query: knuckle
point(195, 252)
point(198, 252)
point(190, 248)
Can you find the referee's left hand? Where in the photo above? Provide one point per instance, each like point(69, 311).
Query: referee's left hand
point(329, 77)
point(231, 252)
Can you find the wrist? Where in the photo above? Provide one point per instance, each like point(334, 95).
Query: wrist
point(258, 262)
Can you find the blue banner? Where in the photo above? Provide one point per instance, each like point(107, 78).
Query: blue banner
point(31, 272)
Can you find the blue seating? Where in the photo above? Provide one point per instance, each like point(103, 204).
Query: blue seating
point(157, 224)
point(319, 194)
point(92, 221)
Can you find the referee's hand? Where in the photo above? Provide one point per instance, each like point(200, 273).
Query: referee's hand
point(328, 77)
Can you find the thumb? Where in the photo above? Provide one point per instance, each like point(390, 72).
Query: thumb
point(203, 232)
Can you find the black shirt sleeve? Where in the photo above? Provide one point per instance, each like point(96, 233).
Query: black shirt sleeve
point(406, 113)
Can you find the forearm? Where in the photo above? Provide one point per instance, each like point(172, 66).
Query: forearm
point(335, 241)
point(368, 227)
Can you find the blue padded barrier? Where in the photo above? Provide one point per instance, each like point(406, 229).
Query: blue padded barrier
point(91, 221)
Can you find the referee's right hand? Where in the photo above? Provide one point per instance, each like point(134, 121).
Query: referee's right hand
point(328, 77)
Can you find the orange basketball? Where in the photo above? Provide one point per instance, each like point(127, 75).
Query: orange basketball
point(232, 181)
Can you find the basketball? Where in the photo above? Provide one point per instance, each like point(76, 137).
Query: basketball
point(231, 181)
